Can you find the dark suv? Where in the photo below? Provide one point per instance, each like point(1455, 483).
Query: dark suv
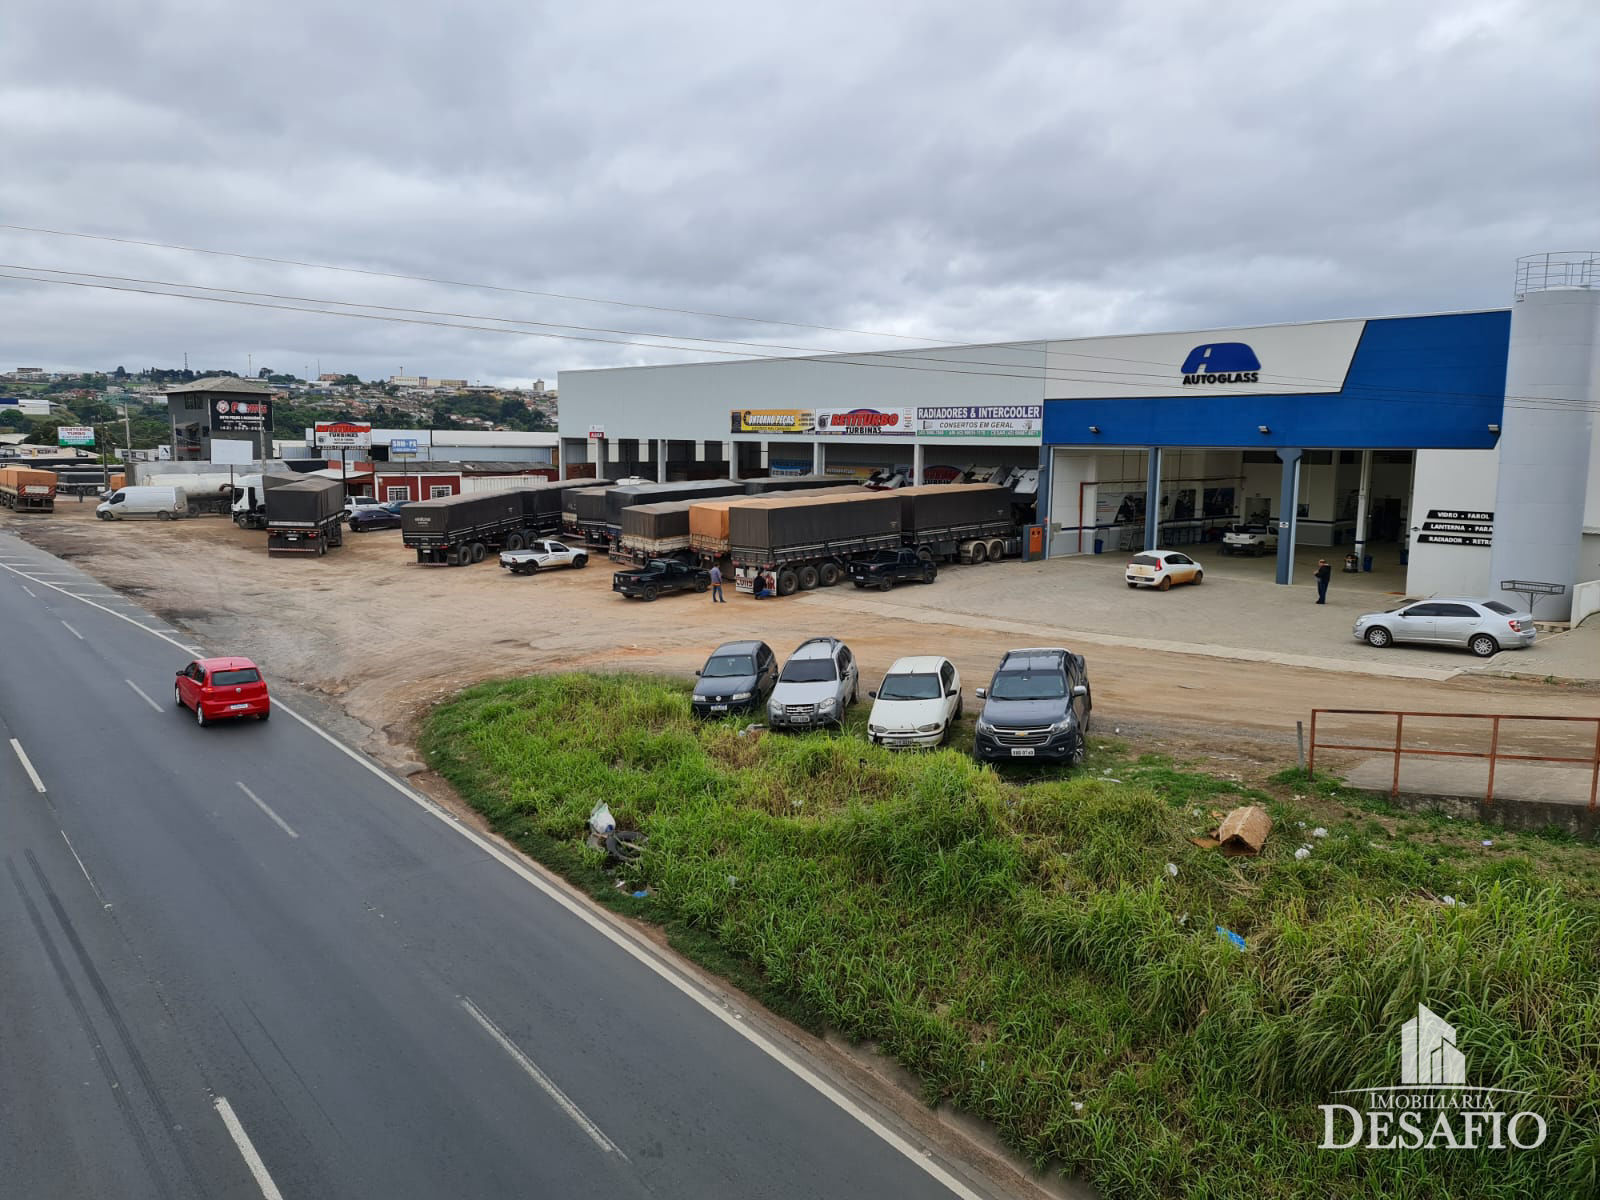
point(738, 677)
point(1037, 706)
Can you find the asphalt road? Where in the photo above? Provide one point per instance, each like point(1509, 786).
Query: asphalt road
point(235, 961)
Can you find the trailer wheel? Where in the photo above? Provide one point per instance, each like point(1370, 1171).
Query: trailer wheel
point(979, 552)
point(477, 552)
point(829, 574)
point(514, 541)
point(787, 582)
point(997, 549)
point(808, 578)
point(452, 556)
point(925, 553)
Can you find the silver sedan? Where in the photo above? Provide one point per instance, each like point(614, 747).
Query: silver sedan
point(1485, 627)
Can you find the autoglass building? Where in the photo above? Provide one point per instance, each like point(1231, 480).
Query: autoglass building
point(1460, 447)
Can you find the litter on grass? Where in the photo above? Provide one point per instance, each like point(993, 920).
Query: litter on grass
point(1303, 853)
point(1230, 936)
point(1172, 870)
point(1244, 830)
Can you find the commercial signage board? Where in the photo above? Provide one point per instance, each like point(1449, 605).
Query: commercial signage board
point(403, 446)
point(1023, 422)
point(241, 416)
point(1457, 527)
point(74, 435)
point(867, 422)
point(596, 432)
point(772, 420)
point(343, 435)
point(231, 452)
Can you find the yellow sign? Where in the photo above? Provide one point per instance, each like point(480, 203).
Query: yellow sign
point(772, 420)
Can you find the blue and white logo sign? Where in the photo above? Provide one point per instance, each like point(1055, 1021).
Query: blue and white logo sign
point(403, 446)
point(1221, 362)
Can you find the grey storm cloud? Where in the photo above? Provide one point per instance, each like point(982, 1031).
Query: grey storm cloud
point(951, 171)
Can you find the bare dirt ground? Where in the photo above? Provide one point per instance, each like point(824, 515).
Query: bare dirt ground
point(385, 638)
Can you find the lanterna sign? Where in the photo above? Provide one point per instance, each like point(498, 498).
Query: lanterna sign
point(1221, 362)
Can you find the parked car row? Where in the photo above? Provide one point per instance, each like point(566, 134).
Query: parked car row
point(1037, 706)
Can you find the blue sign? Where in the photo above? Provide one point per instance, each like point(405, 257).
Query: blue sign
point(1221, 357)
point(403, 446)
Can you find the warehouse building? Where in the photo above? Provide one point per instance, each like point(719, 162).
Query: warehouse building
point(1460, 450)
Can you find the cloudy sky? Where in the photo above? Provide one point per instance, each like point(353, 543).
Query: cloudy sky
point(952, 171)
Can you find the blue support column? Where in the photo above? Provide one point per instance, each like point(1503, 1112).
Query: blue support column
point(1152, 500)
point(1288, 513)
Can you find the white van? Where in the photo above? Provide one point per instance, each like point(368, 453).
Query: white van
point(162, 503)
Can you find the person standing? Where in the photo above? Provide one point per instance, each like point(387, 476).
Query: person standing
point(1324, 574)
point(716, 585)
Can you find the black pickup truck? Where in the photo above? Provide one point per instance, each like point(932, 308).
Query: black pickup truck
point(660, 575)
point(888, 567)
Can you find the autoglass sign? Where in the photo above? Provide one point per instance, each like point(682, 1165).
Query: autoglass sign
point(1221, 362)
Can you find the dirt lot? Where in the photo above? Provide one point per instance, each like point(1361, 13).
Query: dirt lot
point(385, 638)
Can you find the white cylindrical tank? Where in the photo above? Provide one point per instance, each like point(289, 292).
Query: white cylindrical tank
point(1552, 392)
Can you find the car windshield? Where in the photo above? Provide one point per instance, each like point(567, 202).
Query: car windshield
point(909, 687)
point(1028, 685)
point(723, 666)
point(236, 676)
point(808, 670)
point(1505, 610)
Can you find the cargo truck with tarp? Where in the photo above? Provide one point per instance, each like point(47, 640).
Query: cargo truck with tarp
point(628, 495)
point(545, 504)
point(28, 489)
point(654, 531)
point(791, 483)
point(708, 519)
point(305, 517)
point(966, 522)
point(250, 497)
point(457, 530)
point(804, 542)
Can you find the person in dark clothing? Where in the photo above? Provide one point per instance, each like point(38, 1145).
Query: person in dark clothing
point(716, 585)
point(765, 588)
point(1324, 574)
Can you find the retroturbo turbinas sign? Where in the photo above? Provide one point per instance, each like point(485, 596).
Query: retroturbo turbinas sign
point(867, 422)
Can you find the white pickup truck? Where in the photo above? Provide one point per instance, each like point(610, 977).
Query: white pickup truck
point(1254, 540)
point(541, 555)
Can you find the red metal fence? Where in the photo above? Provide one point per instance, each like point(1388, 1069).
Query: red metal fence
point(1494, 754)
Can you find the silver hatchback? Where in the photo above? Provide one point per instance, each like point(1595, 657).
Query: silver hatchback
point(1485, 627)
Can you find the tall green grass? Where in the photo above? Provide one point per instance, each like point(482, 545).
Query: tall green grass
point(1018, 942)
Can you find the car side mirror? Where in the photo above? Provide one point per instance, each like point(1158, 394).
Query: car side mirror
point(873, 693)
point(951, 692)
point(981, 693)
point(179, 673)
point(1080, 690)
point(697, 672)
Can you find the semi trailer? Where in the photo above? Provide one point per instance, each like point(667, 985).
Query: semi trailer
point(654, 531)
point(625, 496)
point(457, 530)
point(28, 489)
point(305, 517)
point(804, 542)
point(965, 522)
point(583, 514)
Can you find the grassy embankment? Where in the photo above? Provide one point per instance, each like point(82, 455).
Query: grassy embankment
point(1018, 941)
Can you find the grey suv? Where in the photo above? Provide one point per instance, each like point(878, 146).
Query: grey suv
point(1037, 706)
point(817, 684)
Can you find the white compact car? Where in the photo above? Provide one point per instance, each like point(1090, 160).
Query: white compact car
point(916, 704)
point(541, 555)
point(1160, 569)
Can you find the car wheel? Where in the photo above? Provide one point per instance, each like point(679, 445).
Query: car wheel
point(1483, 645)
point(808, 578)
point(1165, 584)
point(1199, 577)
point(1378, 636)
point(885, 585)
point(177, 696)
point(829, 574)
point(1079, 753)
point(199, 713)
point(930, 574)
point(650, 592)
point(960, 706)
point(701, 585)
point(264, 715)
point(163, 515)
point(577, 563)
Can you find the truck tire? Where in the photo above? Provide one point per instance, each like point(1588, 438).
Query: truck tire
point(452, 556)
point(787, 583)
point(925, 553)
point(514, 541)
point(829, 574)
point(477, 552)
point(649, 592)
point(978, 552)
point(808, 578)
point(194, 510)
point(997, 549)
point(163, 515)
point(930, 573)
point(885, 584)
point(579, 561)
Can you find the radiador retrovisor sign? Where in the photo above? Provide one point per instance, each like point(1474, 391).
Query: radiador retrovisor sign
point(1455, 539)
point(1457, 527)
point(1461, 514)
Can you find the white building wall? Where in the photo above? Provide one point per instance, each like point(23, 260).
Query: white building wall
point(1452, 479)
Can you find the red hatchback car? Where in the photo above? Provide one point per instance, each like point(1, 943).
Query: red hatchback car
point(222, 687)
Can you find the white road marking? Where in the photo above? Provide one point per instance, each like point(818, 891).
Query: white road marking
point(563, 1101)
point(28, 589)
point(247, 1149)
point(262, 805)
point(73, 632)
point(626, 941)
point(27, 766)
point(95, 887)
point(142, 696)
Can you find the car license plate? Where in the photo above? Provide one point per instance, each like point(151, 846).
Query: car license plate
point(1022, 752)
point(719, 708)
point(802, 720)
point(239, 706)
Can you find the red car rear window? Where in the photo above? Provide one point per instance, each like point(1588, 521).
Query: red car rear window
point(235, 677)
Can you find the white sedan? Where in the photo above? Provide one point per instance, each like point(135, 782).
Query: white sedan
point(540, 555)
point(917, 702)
point(1160, 569)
